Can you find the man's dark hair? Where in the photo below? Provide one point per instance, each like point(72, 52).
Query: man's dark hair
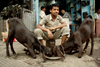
point(63, 9)
point(42, 7)
point(54, 5)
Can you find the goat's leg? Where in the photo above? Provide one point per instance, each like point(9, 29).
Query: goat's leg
point(7, 43)
point(11, 44)
point(77, 41)
point(30, 48)
point(80, 47)
point(32, 52)
point(7, 47)
point(92, 44)
point(86, 45)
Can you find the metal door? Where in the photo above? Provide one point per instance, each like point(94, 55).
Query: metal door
point(29, 19)
point(1, 26)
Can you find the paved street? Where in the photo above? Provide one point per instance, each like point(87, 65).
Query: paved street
point(23, 60)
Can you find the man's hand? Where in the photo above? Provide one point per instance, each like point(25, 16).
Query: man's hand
point(52, 28)
point(50, 35)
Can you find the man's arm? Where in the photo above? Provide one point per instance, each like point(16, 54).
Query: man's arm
point(42, 14)
point(67, 14)
point(60, 26)
point(42, 28)
point(50, 35)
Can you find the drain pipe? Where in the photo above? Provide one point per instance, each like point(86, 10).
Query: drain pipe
point(37, 11)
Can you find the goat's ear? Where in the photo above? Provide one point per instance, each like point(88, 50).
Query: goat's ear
point(60, 54)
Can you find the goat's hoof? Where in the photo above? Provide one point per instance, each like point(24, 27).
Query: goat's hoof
point(25, 49)
point(44, 61)
point(35, 57)
point(90, 54)
point(8, 55)
point(14, 53)
point(27, 53)
point(79, 56)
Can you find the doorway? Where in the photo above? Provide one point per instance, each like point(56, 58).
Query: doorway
point(97, 2)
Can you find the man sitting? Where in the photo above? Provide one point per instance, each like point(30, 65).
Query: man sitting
point(42, 13)
point(55, 26)
point(65, 14)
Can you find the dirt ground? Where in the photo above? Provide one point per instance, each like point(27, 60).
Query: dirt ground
point(23, 60)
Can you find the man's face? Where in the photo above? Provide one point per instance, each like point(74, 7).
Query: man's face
point(99, 11)
point(44, 9)
point(62, 11)
point(54, 11)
